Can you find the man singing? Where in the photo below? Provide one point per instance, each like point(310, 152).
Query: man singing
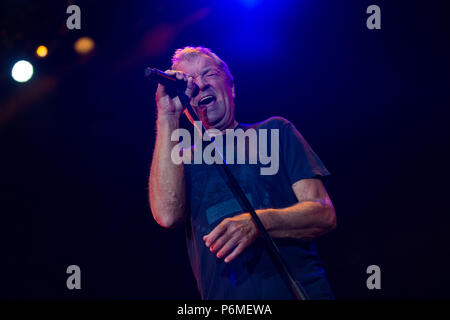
point(225, 248)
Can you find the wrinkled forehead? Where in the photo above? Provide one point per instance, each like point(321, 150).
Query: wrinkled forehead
point(195, 64)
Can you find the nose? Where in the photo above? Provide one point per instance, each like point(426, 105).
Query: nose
point(201, 83)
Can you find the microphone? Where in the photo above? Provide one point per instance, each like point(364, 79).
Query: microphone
point(170, 82)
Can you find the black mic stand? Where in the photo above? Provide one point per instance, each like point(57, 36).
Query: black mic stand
point(295, 286)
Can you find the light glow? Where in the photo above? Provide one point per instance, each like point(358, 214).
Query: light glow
point(22, 71)
point(41, 51)
point(84, 45)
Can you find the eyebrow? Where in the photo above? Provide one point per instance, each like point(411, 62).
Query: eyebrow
point(205, 71)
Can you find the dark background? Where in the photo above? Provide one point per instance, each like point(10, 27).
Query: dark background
point(76, 140)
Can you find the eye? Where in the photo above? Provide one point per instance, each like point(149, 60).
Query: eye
point(212, 73)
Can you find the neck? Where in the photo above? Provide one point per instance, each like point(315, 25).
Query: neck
point(232, 125)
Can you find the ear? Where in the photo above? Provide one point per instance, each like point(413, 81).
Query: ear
point(233, 93)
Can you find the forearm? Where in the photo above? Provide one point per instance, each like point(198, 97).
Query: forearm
point(304, 220)
point(166, 182)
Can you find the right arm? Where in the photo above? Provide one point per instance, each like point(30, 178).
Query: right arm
point(166, 183)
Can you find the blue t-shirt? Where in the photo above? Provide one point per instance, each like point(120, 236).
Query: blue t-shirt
point(252, 275)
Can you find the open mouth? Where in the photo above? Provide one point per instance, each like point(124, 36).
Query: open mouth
point(206, 101)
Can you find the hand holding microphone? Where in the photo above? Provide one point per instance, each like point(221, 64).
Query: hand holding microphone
point(171, 83)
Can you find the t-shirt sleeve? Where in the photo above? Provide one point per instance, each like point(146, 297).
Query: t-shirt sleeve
point(300, 161)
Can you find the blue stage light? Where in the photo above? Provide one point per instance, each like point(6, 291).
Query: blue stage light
point(250, 3)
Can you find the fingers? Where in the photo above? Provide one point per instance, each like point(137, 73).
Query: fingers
point(168, 102)
point(178, 74)
point(236, 252)
point(239, 244)
point(232, 233)
point(220, 242)
point(227, 246)
point(213, 235)
point(191, 87)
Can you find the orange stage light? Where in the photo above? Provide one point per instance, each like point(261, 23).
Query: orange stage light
point(41, 51)
point(84, 45)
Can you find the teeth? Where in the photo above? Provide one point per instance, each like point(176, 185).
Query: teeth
point(206, 100)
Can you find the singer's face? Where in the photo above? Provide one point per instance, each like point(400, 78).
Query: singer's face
point(214, 104)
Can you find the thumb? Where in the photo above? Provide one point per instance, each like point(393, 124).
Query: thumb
point(192, 89)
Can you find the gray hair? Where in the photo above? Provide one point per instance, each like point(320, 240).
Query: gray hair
point(189, 52)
